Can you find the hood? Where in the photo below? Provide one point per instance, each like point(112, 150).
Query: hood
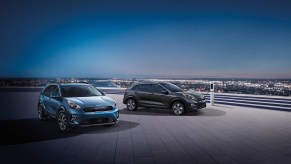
point(92, 101)
point(194, 94)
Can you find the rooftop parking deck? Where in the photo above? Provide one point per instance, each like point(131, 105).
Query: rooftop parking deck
point(218, 134)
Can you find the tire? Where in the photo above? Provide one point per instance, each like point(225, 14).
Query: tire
point(178, 108)
point(63, 122)
point(131, 104)
point(41, 113)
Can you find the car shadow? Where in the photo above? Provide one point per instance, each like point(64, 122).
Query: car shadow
point(147, 111)
point(33, 130)
point(208, 112)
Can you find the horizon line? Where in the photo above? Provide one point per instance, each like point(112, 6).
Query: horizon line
point(172, 78)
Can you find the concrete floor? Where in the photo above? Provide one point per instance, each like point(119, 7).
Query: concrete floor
point(218, 134)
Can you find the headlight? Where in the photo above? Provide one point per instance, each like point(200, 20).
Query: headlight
point(189, 96)
point(73, 105)
point(114, 104)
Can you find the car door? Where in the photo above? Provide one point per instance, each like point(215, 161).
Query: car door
point(143, 94)
point(47, 98)
point(55, 100)
point(159, 95)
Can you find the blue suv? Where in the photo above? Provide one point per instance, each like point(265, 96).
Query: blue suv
point(76, 105)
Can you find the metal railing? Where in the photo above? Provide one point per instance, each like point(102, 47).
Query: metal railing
point(253, 101)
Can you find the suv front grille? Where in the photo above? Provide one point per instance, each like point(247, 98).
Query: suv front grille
point(99, 108)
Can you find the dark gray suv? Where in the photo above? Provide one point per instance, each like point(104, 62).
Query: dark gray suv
point(162, 95)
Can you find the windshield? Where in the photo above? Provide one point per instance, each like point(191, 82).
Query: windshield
point(79, 91)
point(172, 87)
point(105, 84)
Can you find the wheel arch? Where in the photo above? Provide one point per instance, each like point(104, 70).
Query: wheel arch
point(176, 100)
point(133, 97)
point(40, 103)
point(62, 108)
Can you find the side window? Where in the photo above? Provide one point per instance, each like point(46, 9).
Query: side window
point(135, 88)
point(157, 89)
point(144, 88)
point(48, 90)
point(55, 92)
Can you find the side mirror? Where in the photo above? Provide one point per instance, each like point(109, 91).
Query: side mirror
point(103, 93)
point(165, 92)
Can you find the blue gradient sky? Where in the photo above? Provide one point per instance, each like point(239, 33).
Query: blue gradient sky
point(193, 39)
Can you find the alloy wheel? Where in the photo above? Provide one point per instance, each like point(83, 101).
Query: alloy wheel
point(131, 105)
point(178, 108)
point(40, 115)
point(62, 121)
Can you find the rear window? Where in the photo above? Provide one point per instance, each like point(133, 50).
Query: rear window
point(133, 88)
point(141, 88)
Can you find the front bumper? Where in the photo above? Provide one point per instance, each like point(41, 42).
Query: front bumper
point(84, 119)
point(193, 105)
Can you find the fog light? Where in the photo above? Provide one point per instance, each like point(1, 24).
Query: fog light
point(117, 114)
point(193, 106)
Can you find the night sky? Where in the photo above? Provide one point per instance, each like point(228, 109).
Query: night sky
point(130, 38)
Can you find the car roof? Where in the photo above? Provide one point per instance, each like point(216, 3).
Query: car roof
point(72, 84)
point(146, 82)
point(151, 82)
point(68, 84)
